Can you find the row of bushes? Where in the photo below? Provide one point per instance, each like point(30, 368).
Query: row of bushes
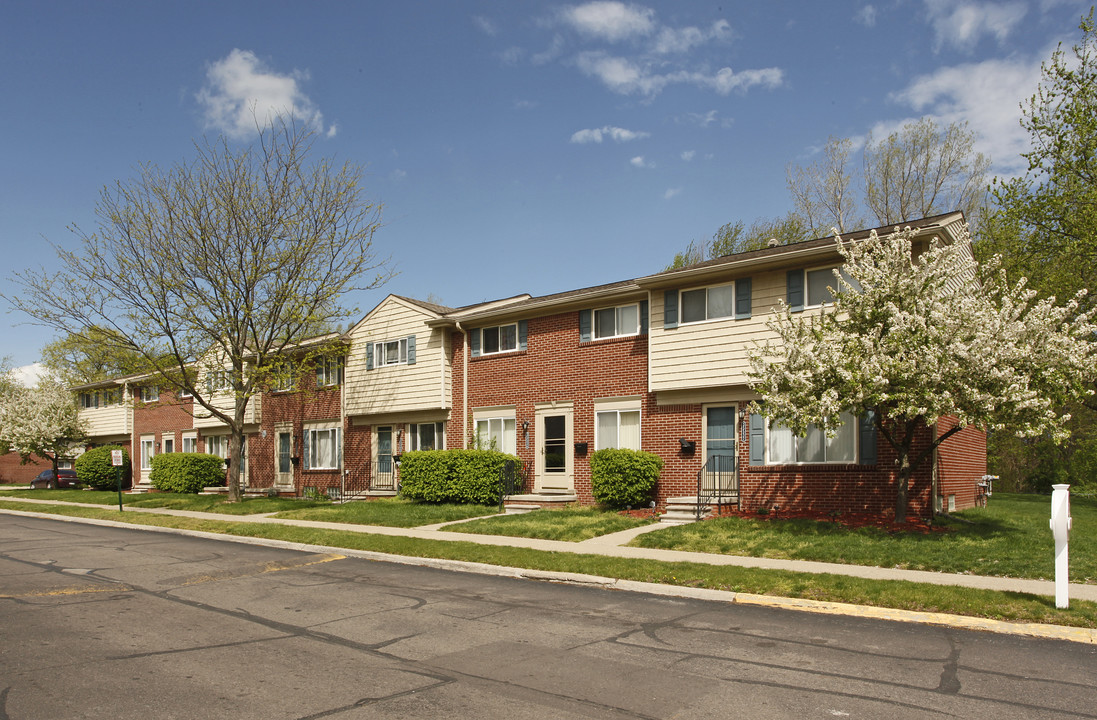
point(171, 472)
point(618, 478)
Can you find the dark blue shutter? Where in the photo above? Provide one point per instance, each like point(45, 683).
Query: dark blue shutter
point(742, 298)
point(670, 309)
point(411, 349)
point(339, 447)
point(369, 356)
point(584, 326)
point(867, 452)
point(796, 290)
point(308, 438)
point(643, 317)
point(523, 329)
point(757, 439)
point(474, 340)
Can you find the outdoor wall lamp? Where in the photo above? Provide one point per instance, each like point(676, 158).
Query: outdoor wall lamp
point(688, 447)
point(525, 426)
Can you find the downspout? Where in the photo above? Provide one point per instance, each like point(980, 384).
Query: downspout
point(464, 386)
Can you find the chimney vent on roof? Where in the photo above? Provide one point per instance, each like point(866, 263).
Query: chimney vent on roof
point(773, 242)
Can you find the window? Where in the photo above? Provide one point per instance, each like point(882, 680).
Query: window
point(391, 352)
point(323, 448)
point(496, 433)
point(218, 445)
point(285, 452)
point(190, 443)
point(89, 400)
point(707, 303)
point(148, 450)
point(150, 393)
point(185, 393)
point(168, 443)
point(617, 429)
point(284, 377)
point(782, 447)
point(821, 280)
point(617, 322)
point(218, 381)
point(428, 436)
point(503, 338)
point(329, 371)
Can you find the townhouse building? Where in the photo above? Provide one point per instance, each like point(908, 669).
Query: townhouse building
point(657, 363)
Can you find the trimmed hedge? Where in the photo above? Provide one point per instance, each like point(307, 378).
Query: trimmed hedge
point(94, 468)
point(624, 477)
point(454, 476)
point(186, 472)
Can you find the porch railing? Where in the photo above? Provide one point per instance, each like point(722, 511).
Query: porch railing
point(513, 478)
point(717, 482)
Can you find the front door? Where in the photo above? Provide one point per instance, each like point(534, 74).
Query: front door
point(383, 476)
point(283, 464)
point(555, 473)
point(720, 465)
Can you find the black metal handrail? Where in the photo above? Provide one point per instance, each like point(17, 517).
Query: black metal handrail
point(717, 480)
point(513, 478)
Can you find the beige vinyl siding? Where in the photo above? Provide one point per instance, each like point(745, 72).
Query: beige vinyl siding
point(112, 420)
point(223, 401)
point(713, 353)
point(397, 388)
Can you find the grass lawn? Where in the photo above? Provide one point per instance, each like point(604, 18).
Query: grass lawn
point(390, 512)
point(1009, 538)
point(569, 524)
point(198, 503)
point(1015, 607)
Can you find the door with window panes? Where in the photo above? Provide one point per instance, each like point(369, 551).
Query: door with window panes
point(720, 466)
point(283, 463)
point(555, 472)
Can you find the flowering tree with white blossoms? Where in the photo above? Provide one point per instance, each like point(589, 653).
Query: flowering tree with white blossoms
point(43, 421)
point(911, 337)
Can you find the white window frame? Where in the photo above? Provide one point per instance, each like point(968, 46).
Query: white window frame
point(831, 280)
point(286, 377)
point(617, 407)
point(439, 434)
point(494, 420)
point(150, 393)
point(148, 452)
point(189, 440)
point(312, 433)
point(708, 317)
point(222, 443)
point(380, 356)
point(617, 311)
point(167, 442)
point(89, 400)
point(499, 339)
point(852, 424)
point(329, 371)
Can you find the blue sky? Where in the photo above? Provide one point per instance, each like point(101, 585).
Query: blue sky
point(516, 146)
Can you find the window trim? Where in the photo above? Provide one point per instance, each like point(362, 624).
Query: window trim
point(616, 321)
point(502, 414)
point(309, 432)
point(807, 285)
point(150, 390)
point(380, 356)
point(855, 423)
point(439, 434)
point(497, 328)
point(327, 366)
point(632, 404)
point(188, 438)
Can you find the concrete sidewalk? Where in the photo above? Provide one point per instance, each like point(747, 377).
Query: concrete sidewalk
point(613, 545)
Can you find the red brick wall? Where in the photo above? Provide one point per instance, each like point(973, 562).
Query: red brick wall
point(169, 415)
point(961, 463)
point(13, 471)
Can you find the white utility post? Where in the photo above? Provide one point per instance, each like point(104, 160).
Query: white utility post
point(1060, 528)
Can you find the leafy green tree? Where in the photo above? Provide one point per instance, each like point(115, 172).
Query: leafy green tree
point(230, 260)
point(92, 355)
point(911, 339)
point(737, 237)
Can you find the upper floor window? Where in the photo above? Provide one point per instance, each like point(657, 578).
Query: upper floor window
point(150, 393)
point(89, 400)
point(284, 377)
point(329, 371)
point(502, 338)
point(616, 321)
point(707, 303)
point(391, 352)
point(816, 286)
point(218, 381)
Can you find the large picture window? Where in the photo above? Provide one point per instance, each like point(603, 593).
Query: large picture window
point(428, 436)
point(783, 448)
point(323, 448)
point(497, 433)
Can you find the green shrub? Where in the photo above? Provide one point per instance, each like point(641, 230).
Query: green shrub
point(456, 476)
point(94, 468)
point(624, 477)
point(186, 472)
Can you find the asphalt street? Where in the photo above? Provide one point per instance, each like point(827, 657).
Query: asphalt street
point(102, 622)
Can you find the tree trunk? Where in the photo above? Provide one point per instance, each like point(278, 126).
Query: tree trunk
point(902, 486)
point(236, 459)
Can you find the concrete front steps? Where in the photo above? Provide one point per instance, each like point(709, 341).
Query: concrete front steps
point(683, 510)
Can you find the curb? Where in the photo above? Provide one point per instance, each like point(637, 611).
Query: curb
point(963, 622)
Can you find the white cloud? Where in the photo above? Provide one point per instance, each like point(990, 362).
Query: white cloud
point(640, 162)
point(961, 25)
point(688, 155)
point(627, 77)
point(866, 16)
point(612, 21)
point(485, 25)
point(29, 375)
point(987, 96)
point(241, 92)
point(596, 135)
point(680, 40)
point(672, 192)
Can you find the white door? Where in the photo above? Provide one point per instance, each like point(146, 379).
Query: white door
point(555, 464)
